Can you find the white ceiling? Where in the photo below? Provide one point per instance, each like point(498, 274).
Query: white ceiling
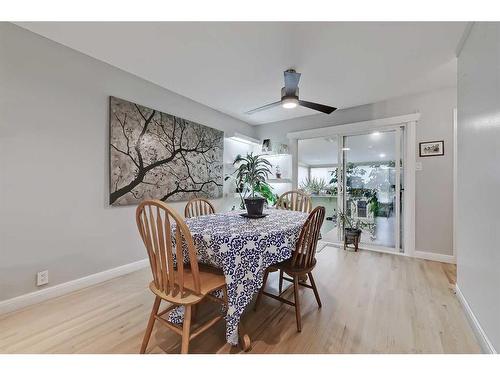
point(362, 148)
point(234, 67)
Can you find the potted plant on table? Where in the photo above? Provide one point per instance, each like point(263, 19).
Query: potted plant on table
point(252, 173)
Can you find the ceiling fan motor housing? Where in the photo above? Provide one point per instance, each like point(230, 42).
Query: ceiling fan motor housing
point(289, 95)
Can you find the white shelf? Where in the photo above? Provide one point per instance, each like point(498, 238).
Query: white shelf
point(275, 155)
point(279, 180)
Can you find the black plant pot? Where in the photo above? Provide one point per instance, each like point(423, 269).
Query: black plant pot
point(255, 206)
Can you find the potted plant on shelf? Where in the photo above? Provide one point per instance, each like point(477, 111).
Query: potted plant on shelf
point(314, 185)
point(252, 173)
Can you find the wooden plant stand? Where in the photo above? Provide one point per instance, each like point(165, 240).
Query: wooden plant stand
point(352, 238)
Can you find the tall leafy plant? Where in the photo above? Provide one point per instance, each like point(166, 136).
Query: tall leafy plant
point(253, 170)
point(266, 191)
point(250, 177)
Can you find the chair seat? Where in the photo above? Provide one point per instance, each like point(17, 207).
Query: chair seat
point(209, 281)
point(287, 267)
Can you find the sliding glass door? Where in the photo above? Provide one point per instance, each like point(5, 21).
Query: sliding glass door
point(372, 187)
point(358, 179)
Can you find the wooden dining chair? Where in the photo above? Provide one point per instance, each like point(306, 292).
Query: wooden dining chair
point(295, 200)
point(301, 263)
point(198, 207)
point(176, 276)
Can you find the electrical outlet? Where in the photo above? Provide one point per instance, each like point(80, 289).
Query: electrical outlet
point(42, 278)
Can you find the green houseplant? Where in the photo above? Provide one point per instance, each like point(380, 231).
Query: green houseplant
point(314, 185)
point(251, 174)
point(352, 228)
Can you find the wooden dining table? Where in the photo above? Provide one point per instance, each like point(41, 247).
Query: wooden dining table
point(243, 248)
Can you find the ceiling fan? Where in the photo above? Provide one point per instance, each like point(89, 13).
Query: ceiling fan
point(290, 96)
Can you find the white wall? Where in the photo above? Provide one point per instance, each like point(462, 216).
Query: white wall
point(302, 174)
point(54, 211)
point(478, 223)
point(434, 184)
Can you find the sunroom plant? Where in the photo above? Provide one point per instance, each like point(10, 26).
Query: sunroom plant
point(352, 228)
point(314, 185)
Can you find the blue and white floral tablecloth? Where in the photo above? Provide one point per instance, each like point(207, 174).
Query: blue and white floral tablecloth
point(243, 248)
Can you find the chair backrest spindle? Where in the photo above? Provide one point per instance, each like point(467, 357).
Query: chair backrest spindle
point(295, 200)
point(198, 207)
point(305, 249)
point(157, 223)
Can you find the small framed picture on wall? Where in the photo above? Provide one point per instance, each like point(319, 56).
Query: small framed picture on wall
point(433, 148)
point(266, 145)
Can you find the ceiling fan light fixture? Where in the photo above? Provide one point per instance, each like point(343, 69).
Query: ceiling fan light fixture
point(289, 103)
point(290, 97)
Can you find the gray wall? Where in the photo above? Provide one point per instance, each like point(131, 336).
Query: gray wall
point(478, 223)
point(54, 211)
point(434, 184)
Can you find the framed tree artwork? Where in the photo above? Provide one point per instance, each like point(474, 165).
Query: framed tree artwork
point(155, 155)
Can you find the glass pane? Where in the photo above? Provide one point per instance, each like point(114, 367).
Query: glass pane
point(317, 175)
point(370, 201)
point(402, 164)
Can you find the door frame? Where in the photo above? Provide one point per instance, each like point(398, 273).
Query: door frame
point(409, 122)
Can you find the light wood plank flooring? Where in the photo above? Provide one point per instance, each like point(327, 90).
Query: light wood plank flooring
point(372, 303)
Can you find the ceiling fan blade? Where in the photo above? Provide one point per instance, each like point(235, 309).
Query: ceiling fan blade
point(317, 107)
point(263, 108)
point(291, 81)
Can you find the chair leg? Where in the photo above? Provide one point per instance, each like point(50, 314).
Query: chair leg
point(151, 322)
point(315, 290)
point(281, 282)
point(186, 327)
point(259, 296)
point(297, 302)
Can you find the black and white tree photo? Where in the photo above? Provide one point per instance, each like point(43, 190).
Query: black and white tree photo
point(154, 155)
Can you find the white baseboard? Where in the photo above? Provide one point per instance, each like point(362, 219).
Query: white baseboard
point(484, 342)
point(70, 286)
point(417, 254)
point(435, 257)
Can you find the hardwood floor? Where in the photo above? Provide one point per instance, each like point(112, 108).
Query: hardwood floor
point(372, 303)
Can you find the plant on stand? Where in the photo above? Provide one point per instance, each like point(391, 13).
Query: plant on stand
point(366, 192)
point(251, 175)
point(352, 229)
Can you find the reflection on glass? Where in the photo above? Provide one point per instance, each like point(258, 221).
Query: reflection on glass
point(370, 186)
point(317, 170)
